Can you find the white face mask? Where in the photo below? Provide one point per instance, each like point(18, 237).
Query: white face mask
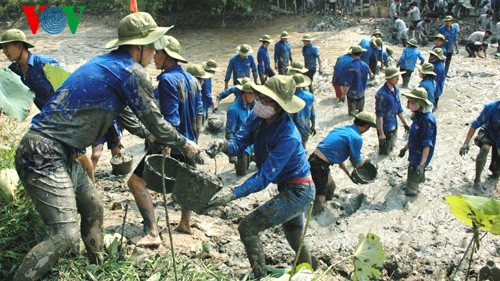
point(263, 111)
point(413, 106)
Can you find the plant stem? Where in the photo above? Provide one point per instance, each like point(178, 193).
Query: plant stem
point(475, 238)
point(463, 257)
point(166, 214)
point(120, 256)
point(309, 213)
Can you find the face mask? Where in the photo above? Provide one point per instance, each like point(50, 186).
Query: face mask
point(263, 111)
point(413, 106)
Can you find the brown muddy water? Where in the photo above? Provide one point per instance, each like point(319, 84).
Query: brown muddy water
point(421, 238)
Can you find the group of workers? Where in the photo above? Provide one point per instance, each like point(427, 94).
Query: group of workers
point(269, 123)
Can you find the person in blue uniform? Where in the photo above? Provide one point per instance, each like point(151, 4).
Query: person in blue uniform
point(282, 54)
point(233, 90)
point(241, 65)
point(437, 59)
point(211, 67)
point(305, 119)
point(387, 109)
point(408, 60)
point(263, 60)
point(312, 60)
point(450, 33)
point(75, 116)
point(280, 159)
point(426, 72)
point(355, 76)
point(488, 123)
point(372, 53)
point(422, 140)
point(338, 79)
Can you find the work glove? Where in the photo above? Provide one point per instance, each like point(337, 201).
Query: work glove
point(402, 152)
point(216, 146)
point(407, 128)
point(312, 131)
point(420, 171)
point(222, 200)
point(190, 149)
point(464, 149)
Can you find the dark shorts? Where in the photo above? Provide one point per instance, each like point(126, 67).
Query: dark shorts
point(310, 74)
point(282, 70)
point(319, 172)
point(390, 142)
point(355, 104)
point(112, 137)
point(413, 181)
point(481, 140)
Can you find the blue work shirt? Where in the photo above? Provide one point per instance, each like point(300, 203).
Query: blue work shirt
point(237, 114)
point(409, 57)
point(371, 51)
point(279, 154)
point(388, 106)
point(342, 62)
point(283, 53)
point(35, 77)
point(429, 84)
point(356, 77)
point(450, 35)
point(422, 134)
point(206, 93)
point(179, 96)
point(440, 77)
point(240, 68)
point(311, 56)
point(263, 60)
point(342, 143)
point(303, 118)
point(489, 121)
point(227, 92)
point(445, 52)
point(81, 110)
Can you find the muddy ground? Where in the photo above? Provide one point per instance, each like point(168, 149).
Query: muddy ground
point(421, 238)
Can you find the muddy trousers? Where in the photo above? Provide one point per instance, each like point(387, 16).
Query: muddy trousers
point(354, 105)
point(390, 142)
point(60, 189)
point(485, 144)
point(286, 208)
point(413, 180)
point(406, 77)
point(447, 62)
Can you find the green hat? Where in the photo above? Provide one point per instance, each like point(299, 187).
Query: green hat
point(301, 80)
point(284, 34)
point(377, 32)
point(137, 29)
point(438, 52)
point(426, 68)
point(243, 80)
point(297, 67)
point(244, 50)
point(377, 41)
point(392, 72)
point(366, 117)
point(198, 71)
point(412, 42)
point(418, 94)
point(440, 36)
point(247, 87)
point(14, 35)
point(307, 37)
point(281, 88)
point(448, 18)
point(356, 49)
point(210, 65)
point(171, 46)
point(389, 51)
point(265, 38)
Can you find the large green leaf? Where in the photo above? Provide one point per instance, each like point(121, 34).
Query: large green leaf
point(369, 257)
point(55, 74)
point(476, 211)
point(15, 97)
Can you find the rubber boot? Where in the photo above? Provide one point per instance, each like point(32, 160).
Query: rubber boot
point(330, 188)
point(480, 163)
point(255, 253)
point(293, 235)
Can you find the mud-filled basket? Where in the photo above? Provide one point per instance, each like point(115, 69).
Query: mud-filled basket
point(190, 188)
point(366, 174)
point(121, 164)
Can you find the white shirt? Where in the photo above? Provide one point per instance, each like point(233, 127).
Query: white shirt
point(441, 4)
point(393, 9)
point(399, 25)
point(484, 22)
point(498, 31)
point(406, 34)
point(477, 36)
point(414, 13)
point(457, 26)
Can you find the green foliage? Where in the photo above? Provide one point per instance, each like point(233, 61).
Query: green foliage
point(15, 97)
point(55, 74)
point(369, 257)
point(476, 211)
point(21, 228)
point(7, 156)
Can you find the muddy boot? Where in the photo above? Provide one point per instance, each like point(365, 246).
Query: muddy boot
point(255, 253)
point(318, 207)
point(242, 164)
point(412, 182)
point(330, 189)
point(480, 163)
point(293, 235)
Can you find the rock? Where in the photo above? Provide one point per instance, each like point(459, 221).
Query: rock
point(350, 200)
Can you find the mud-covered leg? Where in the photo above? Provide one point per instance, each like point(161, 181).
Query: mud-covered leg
point(293, 232)
point(480, 163)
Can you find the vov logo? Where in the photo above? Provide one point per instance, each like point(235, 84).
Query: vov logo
point(54, 19)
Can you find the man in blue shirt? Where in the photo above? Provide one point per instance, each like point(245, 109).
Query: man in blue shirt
point(74, 117)
point(387, 108)
point(355, 76)
point(240, 65)
point(439, 41)
point(311, 59)
point(437, 59)
point(340, 144)
point(282, 54)
point(426, 72)
point(488, 123)
point(338, 79)
point(210, 66)
point(450, 33)
point(422, 139)
point(408, 60)
point(233, 90)
point(281, 159)
point(263, 60)
point(236, 116)
point(305, 120)
point(372, 54)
